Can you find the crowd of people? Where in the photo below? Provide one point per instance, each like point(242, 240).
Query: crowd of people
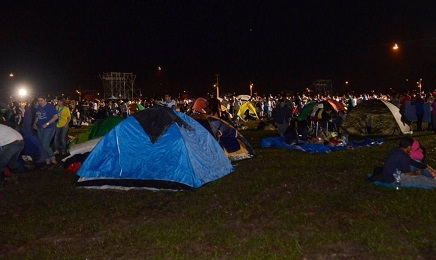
point(50, 120)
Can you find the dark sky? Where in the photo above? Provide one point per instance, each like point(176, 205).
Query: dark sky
point(65, 45)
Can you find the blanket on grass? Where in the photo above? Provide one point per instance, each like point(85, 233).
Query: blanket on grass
point(279, 142)
point(391, 185)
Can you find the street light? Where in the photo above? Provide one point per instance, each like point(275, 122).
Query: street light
point(251, 89)
point(22, 92)
point(79, 93)
point(217, 85)
point(395, 47)
point(419, 85)
point(217, 89)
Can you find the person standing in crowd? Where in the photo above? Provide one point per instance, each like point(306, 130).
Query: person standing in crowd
point(11, 145)
point(214, 106)
point(169, 102)
point(124, 108)
point(236, 107)
point(18, 113)
point(419, 108)
point(281, 116)
point(62, 126)
point(232, 106)
point(267, 108)
point(46, 116)
point(433, 114)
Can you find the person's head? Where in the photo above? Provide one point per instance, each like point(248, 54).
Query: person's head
point(167, 97)
point(61, 101)
point(406, 143)
point(42, 100)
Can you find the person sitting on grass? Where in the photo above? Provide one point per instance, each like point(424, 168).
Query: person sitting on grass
point(11, 145)
point(296, 133)
point(399, 158)
point(417, 154)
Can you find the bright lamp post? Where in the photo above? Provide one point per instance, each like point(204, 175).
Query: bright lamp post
point(217, 85)
point(22, 92)
point(419, 86)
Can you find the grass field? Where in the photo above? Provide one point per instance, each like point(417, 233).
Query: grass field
point(281, 204)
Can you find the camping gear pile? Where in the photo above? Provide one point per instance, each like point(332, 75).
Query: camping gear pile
point(318, 122)
point(370, 118)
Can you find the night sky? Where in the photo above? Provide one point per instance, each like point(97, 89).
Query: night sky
point(60, 46)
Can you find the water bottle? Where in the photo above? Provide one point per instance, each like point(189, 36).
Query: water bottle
point(397, 176)
point(345, 139)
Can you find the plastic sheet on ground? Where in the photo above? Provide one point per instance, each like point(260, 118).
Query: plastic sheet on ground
point(278, 142)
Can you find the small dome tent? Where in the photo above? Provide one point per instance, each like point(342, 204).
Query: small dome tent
point(247, 106)
point(375, 117)
point(102, 126)
point(156, 148)
point(234, 144)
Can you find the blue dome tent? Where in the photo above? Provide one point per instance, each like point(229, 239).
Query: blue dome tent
point(156, 148)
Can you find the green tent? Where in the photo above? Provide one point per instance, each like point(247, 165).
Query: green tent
point(375, 117)
point(103, 126)
point(100, 128)
point(135, 107)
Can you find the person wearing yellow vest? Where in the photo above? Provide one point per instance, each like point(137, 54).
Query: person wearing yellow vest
point(62, 125)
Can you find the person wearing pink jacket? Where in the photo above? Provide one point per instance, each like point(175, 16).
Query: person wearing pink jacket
point(417, 154)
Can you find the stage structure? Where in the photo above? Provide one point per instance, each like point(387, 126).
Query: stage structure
point(323, 86)
point(119, 85)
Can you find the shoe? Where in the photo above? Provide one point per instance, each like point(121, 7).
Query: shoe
point(54, 165)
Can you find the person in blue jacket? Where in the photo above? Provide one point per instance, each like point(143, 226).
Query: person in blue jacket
point(45, 123)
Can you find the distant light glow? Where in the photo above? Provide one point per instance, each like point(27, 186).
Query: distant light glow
point(395, 47)
point(11, 75)
point(22, 92)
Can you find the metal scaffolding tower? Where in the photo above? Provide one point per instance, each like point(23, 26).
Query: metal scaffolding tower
point(323, 86)
point(119, 85)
